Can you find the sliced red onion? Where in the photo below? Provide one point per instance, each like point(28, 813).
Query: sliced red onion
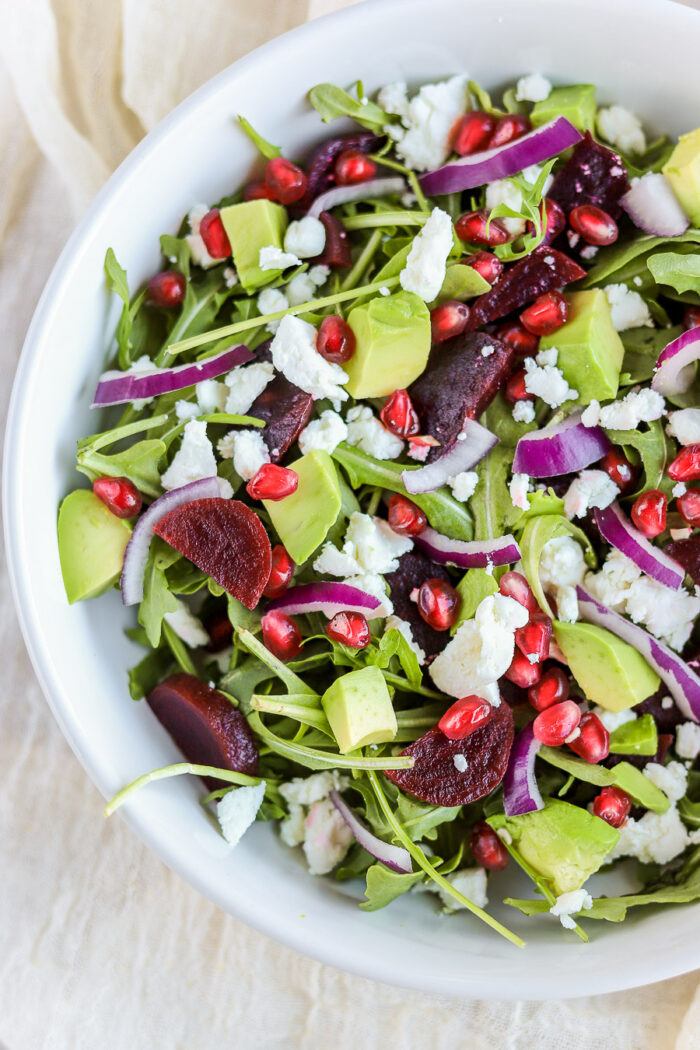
point(618, 530)
point(477, 443)
point(562, 449)
point(114, 388)
point(136, 553)
point(361, 191)
point(475, 555)
point(674, 372)
point(653, 206)
point(327, 598)
point(682, 682)
point(520, 791)
point(477, 169)
point(395, 857)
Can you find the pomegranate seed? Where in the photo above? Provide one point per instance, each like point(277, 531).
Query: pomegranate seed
point(212, 232)
point(472, 132)
point(533, 639)
point(514, 334)
point(448, 319)
point(593, 224)
point(167, 288)
point(691, 317)
point(593, 741)
point(509, 127)
point(546, 314)
point(281, 572)
point(285, 182)
point(405, 517)
point(438, 604)
point(489, 852)
point(619, 469)
point(119, 494)
point(350, 628)
point(554, 220)
point(475, 228)
point(272, 482)
point(613, 806)
point(552, 688)
point(256, 191)
point(689, 506)
point(514, 585)
point(515, 390)
point(553, 725)
point(486, 264)
point(353, 166)
point(649, 512)
point(220, 631)
point(521, 672)
point(464, 716)
point(399, 416)
point(335, 340)
point(686, 465)
point(281, 635)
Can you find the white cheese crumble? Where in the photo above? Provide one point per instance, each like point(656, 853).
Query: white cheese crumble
point(627, 308)
point(313, 822)
point(672, 778)
point(245, 384)
point(460, 763)
point(372, 545)
point(571, 903)
point(198, 249)
point(678, 490)
point(544, 380)
point(324, 433)
point(396, 623)
point(470, 882)
point(667, 703)
point(423, 137)
point(237, 810)
point(504, 191)
point(524, 412)
point(612, 720)
point(561, 568)
point(247, 450)
point(639, 406)
point(463, 485)
point(272, 301)
point(305, 238)
point(684, 426)
point(187, 626)
point(592, 488)
point(294, 354)
point(230, 277)
point(418, 452)
point(680, 534)
point(372, 583)
point(211, 396)
point(621, 129)
point(426, 264)
point(270, 257)
point(302, 288)
point(654, 839)
point(589, 252)
point(367, 433)
point(688, 740)
point(185, 410)
point(518, 489)
point(533, 88)
point(193, 460)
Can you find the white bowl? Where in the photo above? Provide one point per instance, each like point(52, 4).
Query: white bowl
point(642, 54)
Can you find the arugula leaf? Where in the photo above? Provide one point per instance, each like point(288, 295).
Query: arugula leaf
point(392, 644)
point(681, 272)
point(299, 706)
point(635, 738)
point(536, 534)
point(461, 282)
point(332, 102)
point(147, 673)
point(179, 650)
point(138, 463)
point(242, 618)
point(420, 819)
point(266, 148)
point(475, 585)
point(655, 450)
point(384, 886)
point(117, 283)
point(493, 508)
point(177, 251)
point(244, 679)
point(157, 597)
point(622, 775)
point(202, 302)
point(482, 100)
point(642, 349)
point(292, 681)
point(94, 442)
point(622, 263)
point(530, 210)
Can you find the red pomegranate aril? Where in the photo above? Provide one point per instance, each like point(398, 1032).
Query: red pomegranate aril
point(448, 319)
point(285, 182)
point(613, 806)
point(472, 132)
point(167, 288)
point(281, 572)
point(554, 220)
point(256, 191)
point(686, 465)
point(212, 232)
point(335, 340)
point(688, 506)
point(649, 512)
point(272, 482)
point(593, 740)
point(553, 725)
point(552, 688)
point(515, 389)
point(546, 314)
point(488, 265)
point(513, 584)
point(593, 224)
point(399, 416)
point(438, 604)
point(405, 517)
point(475, 228)
point(489, 852)
point(517, 336)
point(691, 317)
point(619, 469)
point(464, 716)
point(521, 672)
point(533, 639)
point(353, 166)
point(281, 635)
point(509, 127)
point(119, 494)
point(350, 628)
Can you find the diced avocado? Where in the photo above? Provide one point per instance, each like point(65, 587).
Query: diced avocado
point(647, 794)
point(575, 102)
point(682, 169)
point(475, 585)
point(590, 350)
point(251, 226)
point(610, 672)
point(359, 711)
point(91, 545)
point(563, 843)
point(392, 343)
point(303, 519)
point(635, 738)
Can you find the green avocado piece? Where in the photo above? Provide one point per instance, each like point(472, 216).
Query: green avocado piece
point(633, 781)
point(392, 343)
point(564, 844)
point(303, 519)
point(359, 710)
point(682, 169)
point(251, 226)
point(610, 672)
point(575, 102)
point(91, 545)
point(635, 738)
point(590, 350)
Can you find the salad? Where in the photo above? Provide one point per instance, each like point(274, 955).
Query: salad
point(400, 477)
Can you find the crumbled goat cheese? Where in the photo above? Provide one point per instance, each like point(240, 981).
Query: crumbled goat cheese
point(518, 488)
point(211, 396)
point(688, 740)
point(426, 264)
point(547, 357)
point(185, 410)
point(193, 460)
point(198, 249)
point(325, 433)
point(305, 238)
point(567, 604)
point(548, 383)
point(678, 490)
point(311, 821)
point(247, 450)
point(684, 426)
point(384, 290)
point(273, 258)
point(504, 191)
point(622, 129)
point(627, 308)
point(589, 252)
point(230, 277)
point(463, 484)
point(523, 412)
point(237, 810)
point(592, 488)
point(396, 623)
point(423, 138)
point(302, 288)
point(272, 301)
point(245, 384)
point(470, 882)
point(639, 406)
point(533, 88)
point(373, 544)
point(294, 354)
point(487, 350)
point(460, 763)
point(327, 838)
point(561, 568)
point(612, 720)
point(680, 534)
point(418, 452)
point(654, 839)
point(568, 904)
point(303, 791)
point(667, 703)
point(366, 432)
point(333, 562)
point(187, 626)
point(672, 778)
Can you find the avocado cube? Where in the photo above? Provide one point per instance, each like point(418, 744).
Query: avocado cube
point(682, 169)
point(303, 519)
point(590, 350)
point(610, 672)
point(91, 545)
point(575, 102)
point(359, 710)
point(392, 343)
point(251, 226)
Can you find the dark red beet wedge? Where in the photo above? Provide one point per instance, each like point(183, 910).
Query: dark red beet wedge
point(541, 271)
point(593, 175)
point(321, 163)
point(337, 251)
point(666, 718)
point(225, 539)
point(434, 777)
point(414, 569)
point(687, 554)
point(286, 409)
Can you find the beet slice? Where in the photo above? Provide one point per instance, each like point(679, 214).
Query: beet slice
point(320, 164)
point(414, 569)
point(458, 384)
point(206, 727)
point(542, 270)
point(594, 174)
point(687, 554)
point(225, 539)
point(286, 409)
point(336, 252)
point(434, 777)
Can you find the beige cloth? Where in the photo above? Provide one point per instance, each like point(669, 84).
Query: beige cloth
point(100, 945)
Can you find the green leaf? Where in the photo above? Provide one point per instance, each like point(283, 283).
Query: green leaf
point(530, 211)
point(266, 148)
point(475, 585)
point(482, 100)
point(157, 598)
point(494, 513)
point(138, 463)
point(536, 535)
point(622, 775)
point(332, 102)
point(461, 282)
point(621, 263)
point(392, 644)
point(292, 681)
point(244, 679)
point(94, 442)
point(384, 886)
point(642, 349)
point(148, 672)
point(177, 251)
point(635, 738)
point(681, 272)
point(243, 619)
point(117, 283)
point(179, 650)
point(299, 706)
point(420, 820)
point(655, 450)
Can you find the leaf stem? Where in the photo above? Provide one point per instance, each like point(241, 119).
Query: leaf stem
point(176, 770)
point(370, 220)
point(362, 262)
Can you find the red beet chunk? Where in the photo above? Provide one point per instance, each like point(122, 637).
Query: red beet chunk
point(206, 727)
point(337, 248)
point(593, 175)
point(414, 569)
point(225, 539)
point(523, 282)
point(687, 554)
point(666, 718)
point(320, 165)
point(286, 409)
point(435, 779)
